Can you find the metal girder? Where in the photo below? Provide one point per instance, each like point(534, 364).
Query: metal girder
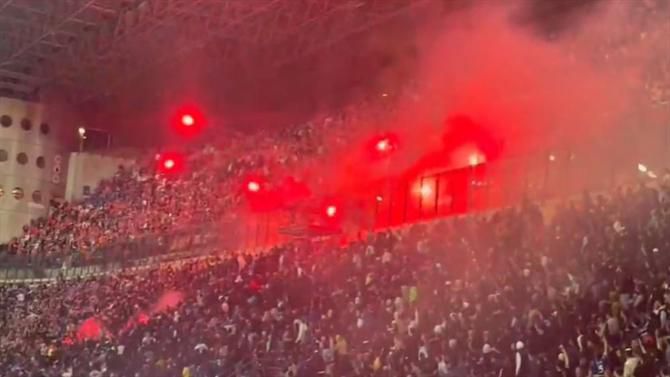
point(44, 26)
point(313, 36)
point(150, 27)
point(192, 30)
point(97, 46)
point(19, 76)
point(34, 31)
point(16, 86)
point(274, 34)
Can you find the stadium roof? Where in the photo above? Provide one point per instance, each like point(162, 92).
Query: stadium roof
point(90, 48)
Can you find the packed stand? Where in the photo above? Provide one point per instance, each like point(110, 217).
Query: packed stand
point(499, 295)
point(139, 201)
point(132, 204)
point(643, 28)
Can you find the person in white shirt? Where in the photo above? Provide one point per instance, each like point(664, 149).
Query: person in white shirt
point(520, 360)
point(302, 328)
point(201, 347)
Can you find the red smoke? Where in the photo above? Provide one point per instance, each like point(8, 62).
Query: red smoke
point(90, 329)
point(168, 301)
point(486, 90)
point(491, 99)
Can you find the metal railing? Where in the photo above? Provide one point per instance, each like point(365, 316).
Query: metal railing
point(147, 250)
point(611, 160)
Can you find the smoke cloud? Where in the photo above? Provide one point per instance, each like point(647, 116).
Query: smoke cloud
point(570, 79)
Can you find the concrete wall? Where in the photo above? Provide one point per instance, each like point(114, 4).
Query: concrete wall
point(33, 164)
point(86, 170)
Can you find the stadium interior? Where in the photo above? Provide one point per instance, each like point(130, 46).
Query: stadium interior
point(343, 188)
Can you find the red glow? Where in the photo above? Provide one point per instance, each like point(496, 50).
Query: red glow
point(143, 319)
point(253, 186)
point(331, 211)
point(90, 329)
point(383, 145)
point(187, 120)
point(264, 196)
point(426, 191)
point(474, 159)
point(170, 162)
point(169, 300)
point(293, 191)
point(259, 193)
point(463, 132)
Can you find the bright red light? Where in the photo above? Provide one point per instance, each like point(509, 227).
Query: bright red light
point(187, 120)
point(474, 159)
point(331, 211)
point(383, 145)
point(253, 186)
point(426, 191)
point(169, 164)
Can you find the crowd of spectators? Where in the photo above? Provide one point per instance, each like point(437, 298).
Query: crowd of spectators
point(140, 200)
point(584, 292)
point(133, 203)
point(503, 294)
point(137, 202)
point(640, 39)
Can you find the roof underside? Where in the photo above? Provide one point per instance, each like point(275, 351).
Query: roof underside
point(90, 48)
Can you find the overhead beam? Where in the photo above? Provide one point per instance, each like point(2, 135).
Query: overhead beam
point(16, 87)
point(243, 15)
point(96, 48)
point(5, 4)
point(19, 76)
point(46, 15)
point(105, 58)
point(310, 24)
point(321, 35)
point(70, 12)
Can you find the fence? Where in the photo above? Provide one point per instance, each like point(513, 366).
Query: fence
point(609, 161)
point(150, 249)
